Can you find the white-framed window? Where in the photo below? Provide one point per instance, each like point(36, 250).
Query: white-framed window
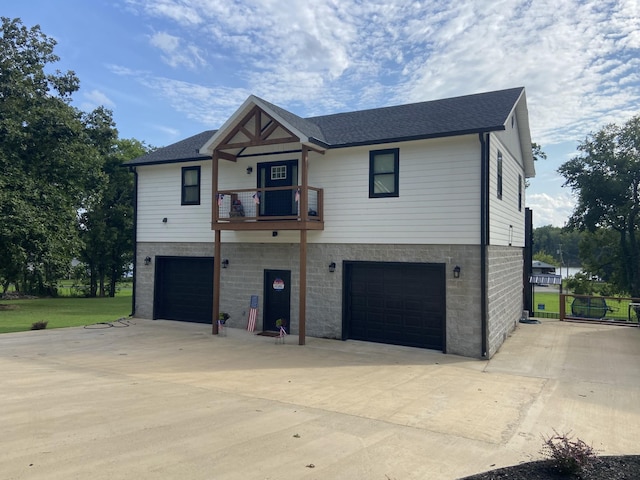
point(279, 172)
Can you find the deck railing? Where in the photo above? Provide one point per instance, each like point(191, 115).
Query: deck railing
point(277, 203)
point(620, 310)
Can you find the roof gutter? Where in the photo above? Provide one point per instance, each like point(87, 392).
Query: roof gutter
point(484, 237)
point(411, 138)
point(135, 239)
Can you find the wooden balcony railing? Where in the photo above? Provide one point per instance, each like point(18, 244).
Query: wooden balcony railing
point(277, 208)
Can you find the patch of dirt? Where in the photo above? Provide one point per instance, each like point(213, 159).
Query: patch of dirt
point(625, 467)
point(16, 296)
point(7, 307)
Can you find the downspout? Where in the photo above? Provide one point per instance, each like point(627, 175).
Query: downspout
point(135, 238)
point(484, 236)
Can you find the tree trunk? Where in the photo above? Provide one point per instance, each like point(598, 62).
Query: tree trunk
point(113, 283)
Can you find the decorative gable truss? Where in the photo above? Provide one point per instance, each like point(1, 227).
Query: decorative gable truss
point(256, 129)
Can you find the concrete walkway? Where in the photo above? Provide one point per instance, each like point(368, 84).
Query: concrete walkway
point(166, 400)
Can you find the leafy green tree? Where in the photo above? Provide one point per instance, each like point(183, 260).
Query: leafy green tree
point(542, 256)
point(553, 240)
point(605, 178)
point(48, 165)
point(106, 226)
point(537, 152)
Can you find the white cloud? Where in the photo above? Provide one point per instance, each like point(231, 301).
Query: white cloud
point(123, 71)
point(210, 106)
point(174, 52)
point(94, 99)
point(171, 134)
point(579, 60)
point(550, 209)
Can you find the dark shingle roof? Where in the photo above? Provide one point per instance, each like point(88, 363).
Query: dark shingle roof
point(305, 125)
point(182, 151)
point(438, 118)
point(482, 112)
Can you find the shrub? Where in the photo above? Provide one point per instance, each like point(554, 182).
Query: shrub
point(39, 325)
point(569, 457)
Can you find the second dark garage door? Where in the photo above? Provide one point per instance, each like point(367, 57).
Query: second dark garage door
point(184, 289)
point(397, 303)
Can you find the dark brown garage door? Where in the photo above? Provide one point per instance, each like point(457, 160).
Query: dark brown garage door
point(397, 303)
point(184, 289)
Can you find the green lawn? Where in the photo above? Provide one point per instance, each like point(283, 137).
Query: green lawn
point(550, 300)
point(65, 289)
point(618, 308)
point(19, 315)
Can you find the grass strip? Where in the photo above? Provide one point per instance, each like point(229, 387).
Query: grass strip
point(20, 315)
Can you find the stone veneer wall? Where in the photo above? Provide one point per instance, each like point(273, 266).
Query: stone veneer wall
point(505, 294)
point(247, 261)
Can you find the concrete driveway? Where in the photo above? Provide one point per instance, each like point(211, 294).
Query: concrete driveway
point(167, 400)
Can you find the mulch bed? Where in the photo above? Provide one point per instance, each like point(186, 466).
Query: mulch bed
point(268, 334)
point(625, 467)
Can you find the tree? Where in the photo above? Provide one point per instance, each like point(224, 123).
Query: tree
point(550, 240)
point(537, 152)
point(544, 257)
point(106, 226)
point(605, 177)
point(48, 166)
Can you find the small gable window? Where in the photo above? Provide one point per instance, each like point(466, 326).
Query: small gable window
point(499, 175)
point(384, 173)
point(190, 185)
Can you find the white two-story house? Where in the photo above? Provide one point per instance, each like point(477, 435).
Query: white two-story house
point(402, 225)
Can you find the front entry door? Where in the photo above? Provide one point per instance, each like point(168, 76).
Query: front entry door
point(278, 174)
point(277, 299)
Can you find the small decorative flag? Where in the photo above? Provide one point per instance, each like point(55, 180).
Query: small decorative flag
point(256, 198)
point(253, 313)
point(297, 195)
point(220, 197)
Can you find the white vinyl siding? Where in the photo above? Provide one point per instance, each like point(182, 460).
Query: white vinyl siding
point(438, 202)
point(506, 221)
point(159, 196)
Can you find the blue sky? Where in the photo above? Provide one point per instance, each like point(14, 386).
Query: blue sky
point(169, 69)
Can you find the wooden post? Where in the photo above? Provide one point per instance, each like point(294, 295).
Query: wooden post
point(216, 283)
point(217, 246)
point(304, 202)
point(214, 188)
point(302, 308)
point(304, 190)
point(562, 306)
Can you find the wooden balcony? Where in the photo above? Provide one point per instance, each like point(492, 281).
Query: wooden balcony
point(277, 208)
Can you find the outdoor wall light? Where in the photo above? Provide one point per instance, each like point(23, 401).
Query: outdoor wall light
point(225, 263)
point(164, 220)
point(147, 260)
point(274, 234)
point(249, 170)
point(456, 272)
point(332, 267)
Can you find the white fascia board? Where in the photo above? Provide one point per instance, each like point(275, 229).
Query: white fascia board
point(524, 131)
